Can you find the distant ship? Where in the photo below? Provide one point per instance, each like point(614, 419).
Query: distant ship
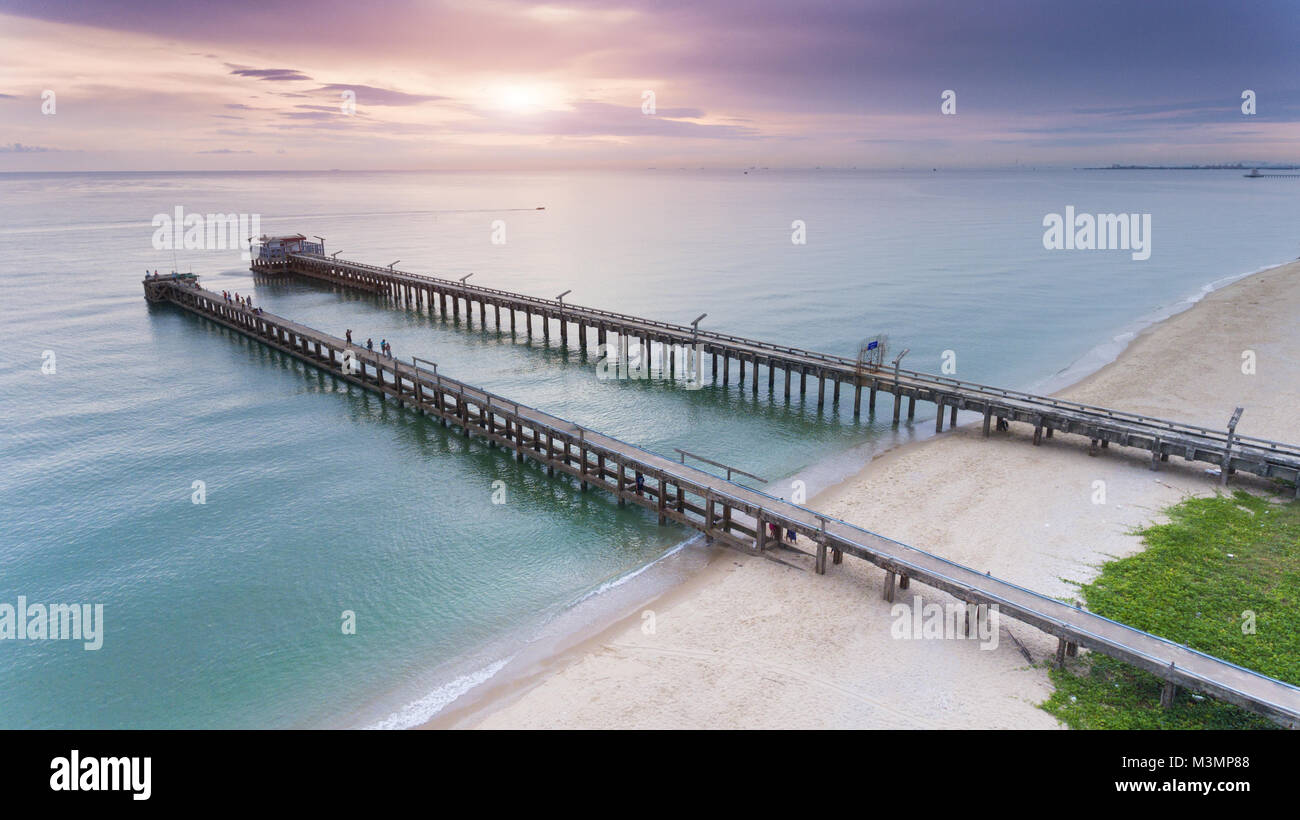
point(1254, 173)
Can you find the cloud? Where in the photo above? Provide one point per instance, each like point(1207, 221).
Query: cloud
point(818, 81)
point(226, 151)
point(590, 118)
point(311, 115)
point(369, 95)
point(271, 74)
point(680, 113)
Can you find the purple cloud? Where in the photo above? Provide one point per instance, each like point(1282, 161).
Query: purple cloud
point(369, 95)
point(271, 74)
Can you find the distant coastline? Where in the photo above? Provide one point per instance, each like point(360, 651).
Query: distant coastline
point(1236, 166)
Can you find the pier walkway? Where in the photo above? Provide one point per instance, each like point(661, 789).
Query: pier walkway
point(1163, 438)
point(725, 511)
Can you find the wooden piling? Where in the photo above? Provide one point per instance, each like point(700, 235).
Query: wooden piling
point(1167, 694)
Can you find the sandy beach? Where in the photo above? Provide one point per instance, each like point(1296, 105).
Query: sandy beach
point(749, 643)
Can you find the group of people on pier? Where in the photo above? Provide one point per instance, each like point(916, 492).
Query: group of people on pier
point(242, 301)
point(384, 347)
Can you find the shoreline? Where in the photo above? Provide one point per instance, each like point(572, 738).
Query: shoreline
point(493, 702)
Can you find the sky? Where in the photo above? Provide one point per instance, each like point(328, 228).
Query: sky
point(109, 85)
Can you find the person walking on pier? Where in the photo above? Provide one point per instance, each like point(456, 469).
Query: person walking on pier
point(348, 334)
point(370, 345)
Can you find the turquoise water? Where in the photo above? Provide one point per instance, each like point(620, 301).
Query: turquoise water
point(321, 498)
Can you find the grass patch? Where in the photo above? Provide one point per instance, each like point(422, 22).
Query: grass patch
point(1215, 560)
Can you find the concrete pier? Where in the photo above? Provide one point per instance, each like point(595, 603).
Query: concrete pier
point(724, 511)
point(1044, 415)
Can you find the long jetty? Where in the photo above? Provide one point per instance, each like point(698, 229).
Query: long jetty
point(724, 511)
point(1163, 438)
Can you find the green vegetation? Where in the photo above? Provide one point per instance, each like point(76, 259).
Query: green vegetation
point(1195, 583)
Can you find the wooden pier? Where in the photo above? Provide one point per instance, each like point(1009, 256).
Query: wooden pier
point(724, 511)
point(1046, 415)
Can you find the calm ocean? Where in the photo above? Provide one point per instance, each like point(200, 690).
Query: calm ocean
point(321, 498)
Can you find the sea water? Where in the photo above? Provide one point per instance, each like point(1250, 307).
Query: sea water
point(325, 506)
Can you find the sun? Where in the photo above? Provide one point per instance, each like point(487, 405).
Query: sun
point(522, 98)
point(517, 98)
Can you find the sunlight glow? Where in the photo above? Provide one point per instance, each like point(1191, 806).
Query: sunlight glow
point(522, 99)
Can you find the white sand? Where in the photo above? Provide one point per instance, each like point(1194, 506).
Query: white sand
point(752, 644)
